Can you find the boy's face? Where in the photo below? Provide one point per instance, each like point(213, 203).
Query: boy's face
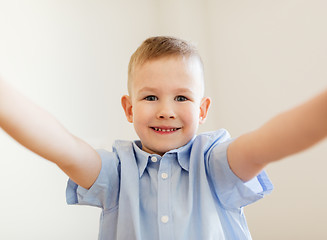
point(166, 104)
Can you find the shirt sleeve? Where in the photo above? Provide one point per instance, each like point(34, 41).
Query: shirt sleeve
point(231, 191)
point(104, 192)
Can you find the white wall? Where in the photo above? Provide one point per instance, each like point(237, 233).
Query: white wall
point(270, 56)
point(70, 57)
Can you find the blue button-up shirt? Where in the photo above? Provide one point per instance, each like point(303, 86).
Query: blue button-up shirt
point(189, 193)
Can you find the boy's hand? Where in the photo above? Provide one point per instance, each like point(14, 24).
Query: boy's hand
point(37, 130)
point(286, 134)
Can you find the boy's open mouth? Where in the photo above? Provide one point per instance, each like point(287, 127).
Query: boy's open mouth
point(165, 130)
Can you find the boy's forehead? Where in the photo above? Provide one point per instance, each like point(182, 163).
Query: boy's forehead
point(168, 72)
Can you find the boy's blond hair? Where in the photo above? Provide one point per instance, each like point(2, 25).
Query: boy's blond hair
point(157, 47)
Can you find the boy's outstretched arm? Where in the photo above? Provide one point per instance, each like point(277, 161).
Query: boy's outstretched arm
point(40, 132)
point(285, 134)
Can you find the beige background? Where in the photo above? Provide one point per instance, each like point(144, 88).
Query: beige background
point(70, 57)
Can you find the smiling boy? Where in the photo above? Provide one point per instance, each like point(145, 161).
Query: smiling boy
point(166, 102)
point(172, 183)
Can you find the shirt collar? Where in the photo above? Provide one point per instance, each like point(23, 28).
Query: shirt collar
point(182, 153)
point(141, 156)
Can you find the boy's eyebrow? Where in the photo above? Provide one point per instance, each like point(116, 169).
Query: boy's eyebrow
point(150, 89)
point(147, 89)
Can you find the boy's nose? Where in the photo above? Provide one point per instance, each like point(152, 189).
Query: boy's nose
point(166, 113)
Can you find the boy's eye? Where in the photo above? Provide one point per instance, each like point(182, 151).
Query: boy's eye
point(151, 98)
point(181, 98)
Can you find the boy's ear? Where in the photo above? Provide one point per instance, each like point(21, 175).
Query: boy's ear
point(204, 107)
point(126, 103)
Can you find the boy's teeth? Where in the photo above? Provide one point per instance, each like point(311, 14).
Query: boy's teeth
point(165, 130)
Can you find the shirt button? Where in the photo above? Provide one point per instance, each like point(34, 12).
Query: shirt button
point(164, 219)
point(154, 159)
point(164, 175)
